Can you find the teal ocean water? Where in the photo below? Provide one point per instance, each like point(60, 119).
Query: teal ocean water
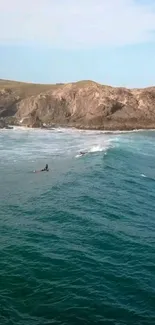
point(77, 244)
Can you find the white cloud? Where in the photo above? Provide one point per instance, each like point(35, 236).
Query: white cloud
point(77, 23)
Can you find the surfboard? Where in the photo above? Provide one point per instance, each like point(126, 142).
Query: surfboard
point(80, 155)
point(39, 171)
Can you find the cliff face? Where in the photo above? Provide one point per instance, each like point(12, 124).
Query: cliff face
point(83, 104)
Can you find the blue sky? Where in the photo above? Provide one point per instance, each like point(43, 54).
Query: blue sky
point(48, 41)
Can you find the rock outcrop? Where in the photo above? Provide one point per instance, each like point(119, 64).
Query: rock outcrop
point(84, 104)
point(4, 124)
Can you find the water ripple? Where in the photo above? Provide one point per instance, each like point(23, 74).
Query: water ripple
point(77, 246)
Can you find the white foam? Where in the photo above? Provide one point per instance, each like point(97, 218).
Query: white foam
point(78, 131)
point(30, 144)
point(78, 156)
point(99, 148)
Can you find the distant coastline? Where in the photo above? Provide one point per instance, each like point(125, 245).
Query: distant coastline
point(83, 105)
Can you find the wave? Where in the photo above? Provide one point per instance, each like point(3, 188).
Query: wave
point(100, 148)
point(65, 143)
point(104, 147)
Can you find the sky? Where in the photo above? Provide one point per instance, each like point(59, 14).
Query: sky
point(49, 41)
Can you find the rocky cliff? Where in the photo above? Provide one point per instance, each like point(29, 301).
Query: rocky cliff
point(84, 104)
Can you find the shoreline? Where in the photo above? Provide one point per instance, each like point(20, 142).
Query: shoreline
point(62, 128)
point(84, 105)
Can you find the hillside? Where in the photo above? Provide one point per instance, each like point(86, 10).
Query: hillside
point(83, 104)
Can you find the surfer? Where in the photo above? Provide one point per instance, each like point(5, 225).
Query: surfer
point(82, 153)
point(45, 169)
point(42, 170)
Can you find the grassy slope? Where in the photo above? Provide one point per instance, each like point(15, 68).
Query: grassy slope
point(26, 89)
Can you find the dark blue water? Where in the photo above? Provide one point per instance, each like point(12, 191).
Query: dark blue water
point(77, 244)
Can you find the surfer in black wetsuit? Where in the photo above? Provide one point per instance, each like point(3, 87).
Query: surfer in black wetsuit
point(45, 169)
point(82, 153)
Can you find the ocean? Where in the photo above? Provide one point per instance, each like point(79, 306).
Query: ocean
point(77, 243)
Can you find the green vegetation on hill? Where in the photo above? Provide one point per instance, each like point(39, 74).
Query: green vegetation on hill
point(27, 89)
point(24, 89)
